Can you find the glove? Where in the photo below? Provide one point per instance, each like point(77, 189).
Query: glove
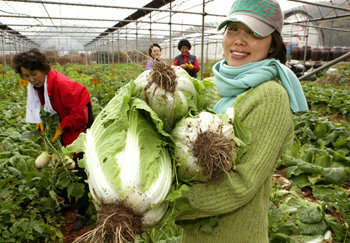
point(189, 65)
point(58, 133)
point(40, 127)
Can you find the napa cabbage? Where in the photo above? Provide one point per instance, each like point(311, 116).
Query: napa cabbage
point(205, 146)
point(126, 156)
point(169, 91)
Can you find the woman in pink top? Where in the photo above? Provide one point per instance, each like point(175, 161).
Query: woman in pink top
point(154, 52)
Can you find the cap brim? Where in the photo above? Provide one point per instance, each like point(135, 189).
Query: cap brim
point(257, 26)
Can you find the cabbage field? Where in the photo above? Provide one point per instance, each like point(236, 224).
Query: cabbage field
point(310, 200)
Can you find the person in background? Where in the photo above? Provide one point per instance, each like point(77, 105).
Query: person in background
point(154, 52)
point(58, 94)
point(185, 59)
point(253, 79)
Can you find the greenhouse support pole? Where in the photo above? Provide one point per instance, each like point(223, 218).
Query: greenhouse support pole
point(112, 50)
point(207, 56)
point(108, 56)
point(194, 46)
point(71, 52)
point(150, 27)
point(86, 48)
point(99, 52)
point(335, 61)
point(100, 48)
point(86, 58)
point(126, 47)
point(104, 45)
point(306, 42)
point(10, 42)
point(17, 46)
point(96, 52)
point(94, 56)
point(170, 37)
point(92, 52)
point(137, 54)
point(3, 50)
point(330, 40)
point(291, 40)
point(202, 43)
point(118, 45)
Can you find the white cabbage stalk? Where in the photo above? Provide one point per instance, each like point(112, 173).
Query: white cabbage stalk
point(185, 135)
point(132, 191)
point(126, 159)
point(170, 106)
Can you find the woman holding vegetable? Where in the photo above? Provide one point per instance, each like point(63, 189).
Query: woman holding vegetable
point(154, 52)
point(264, 92)
point(185, 59)
point(58, 94)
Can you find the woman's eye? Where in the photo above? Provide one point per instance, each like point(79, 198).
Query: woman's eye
point(232, 28)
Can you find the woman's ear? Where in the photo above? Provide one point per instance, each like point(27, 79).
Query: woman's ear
point(272, 49)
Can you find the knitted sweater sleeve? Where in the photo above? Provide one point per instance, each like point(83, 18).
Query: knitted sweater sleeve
point(265, 111)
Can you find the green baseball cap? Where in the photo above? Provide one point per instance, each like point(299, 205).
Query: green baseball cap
point(261, 16)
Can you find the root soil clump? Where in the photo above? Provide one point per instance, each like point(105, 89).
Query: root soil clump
point(116, 224)
point(214, 154)
point(164, 76)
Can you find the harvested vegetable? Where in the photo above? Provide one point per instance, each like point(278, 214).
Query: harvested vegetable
point(128, 166)
point(205, 146)
point(42, 160)
point(169, 91)
point(52, 150)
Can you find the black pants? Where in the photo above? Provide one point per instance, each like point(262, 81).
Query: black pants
point(90, 116)
point(82, 203)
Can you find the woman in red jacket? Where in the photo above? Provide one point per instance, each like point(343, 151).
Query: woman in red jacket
point(186, 60)
point(58, 94)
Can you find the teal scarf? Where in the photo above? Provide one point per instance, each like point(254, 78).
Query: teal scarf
point(233, 81)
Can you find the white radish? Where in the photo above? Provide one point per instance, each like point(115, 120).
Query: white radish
point(42, 160)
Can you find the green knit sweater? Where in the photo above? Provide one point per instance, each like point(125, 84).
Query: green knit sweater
point(242, 201)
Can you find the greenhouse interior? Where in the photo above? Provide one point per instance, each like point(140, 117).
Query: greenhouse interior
point(106, 46)
point(88, 33)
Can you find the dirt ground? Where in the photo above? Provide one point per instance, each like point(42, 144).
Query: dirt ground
point(68, 234)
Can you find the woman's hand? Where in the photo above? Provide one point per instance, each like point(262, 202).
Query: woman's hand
point(189, 65)
point(58, 133)
point(40, 127)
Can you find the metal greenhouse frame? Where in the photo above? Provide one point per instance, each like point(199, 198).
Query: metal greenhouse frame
point(128, 28)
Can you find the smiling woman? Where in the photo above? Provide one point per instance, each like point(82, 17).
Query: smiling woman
point(242, 46)
point(154, 52)
point(185, 60)
point(253, 79)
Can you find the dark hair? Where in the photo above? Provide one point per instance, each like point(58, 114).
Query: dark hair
point(32, 60)
point(150, 48)
point(184, 42)
point(280, 51)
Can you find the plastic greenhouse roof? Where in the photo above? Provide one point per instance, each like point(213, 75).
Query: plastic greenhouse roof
point(74, 24)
